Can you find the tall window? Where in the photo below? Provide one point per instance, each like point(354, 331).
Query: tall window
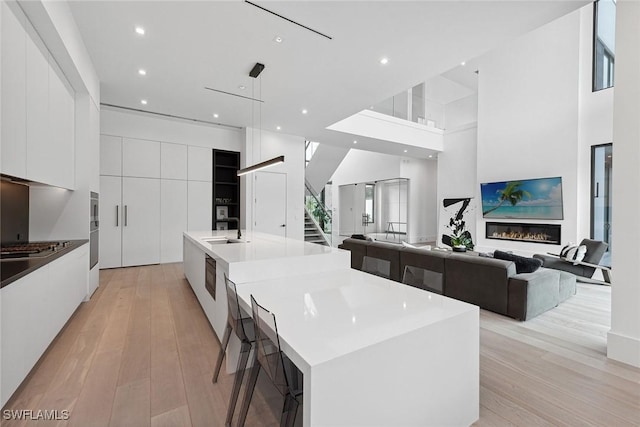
point(604, 43)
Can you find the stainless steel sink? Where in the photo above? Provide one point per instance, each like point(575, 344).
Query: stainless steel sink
point(221, 240)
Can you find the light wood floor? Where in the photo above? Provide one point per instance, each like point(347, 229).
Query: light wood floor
point(141, 353)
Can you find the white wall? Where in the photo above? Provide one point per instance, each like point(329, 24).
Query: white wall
point(423, 202)
point(528, 119)
point(461, 112)
point(263, 145)
point(457, 172)
point(623, 340)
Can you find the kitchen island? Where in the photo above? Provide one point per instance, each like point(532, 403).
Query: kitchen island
point(256, 256)
point(372, 351)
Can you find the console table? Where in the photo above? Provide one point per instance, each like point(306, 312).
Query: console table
point(390, 228)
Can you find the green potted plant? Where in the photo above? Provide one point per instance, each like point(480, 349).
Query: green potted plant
point(460, 238)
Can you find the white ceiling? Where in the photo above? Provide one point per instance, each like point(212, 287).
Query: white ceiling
point(189, 45)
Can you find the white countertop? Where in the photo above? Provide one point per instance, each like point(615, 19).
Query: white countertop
point(266, 256)
point(348, 309)
point(256, 246)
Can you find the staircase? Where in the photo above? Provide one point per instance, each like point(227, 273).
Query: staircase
point(312, 233)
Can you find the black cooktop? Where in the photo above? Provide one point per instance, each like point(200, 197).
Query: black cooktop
point(30, 250)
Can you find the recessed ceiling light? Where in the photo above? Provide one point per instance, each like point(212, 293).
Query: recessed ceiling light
point(355, 142)
point(277, 39)
point(384, 61)
point(431, 156)
point(463, 63)
point(215, 115)
point(405, 151)
point(142, 72)
point(242, 87)
point(143, 101)
point(140, 31)
point(304, 111)
point(278, 128)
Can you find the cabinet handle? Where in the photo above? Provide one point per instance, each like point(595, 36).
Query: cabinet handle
point(117, 215)
point(126, 216)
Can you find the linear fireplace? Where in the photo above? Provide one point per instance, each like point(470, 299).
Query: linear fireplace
point(522, 232)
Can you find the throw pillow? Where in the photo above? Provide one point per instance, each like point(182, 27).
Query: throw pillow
point(409, 245)
point(573, 253)
point(523, 264)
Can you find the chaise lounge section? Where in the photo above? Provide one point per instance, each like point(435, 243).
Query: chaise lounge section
point(491, 284)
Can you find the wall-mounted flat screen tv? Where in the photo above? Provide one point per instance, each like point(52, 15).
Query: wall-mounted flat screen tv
point(539, 198)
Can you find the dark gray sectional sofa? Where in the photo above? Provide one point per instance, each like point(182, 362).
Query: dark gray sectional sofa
point(489, 283)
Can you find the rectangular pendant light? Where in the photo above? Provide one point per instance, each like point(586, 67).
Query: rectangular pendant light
point(261, 165)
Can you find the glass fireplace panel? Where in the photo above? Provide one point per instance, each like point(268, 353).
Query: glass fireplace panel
point(534, 233)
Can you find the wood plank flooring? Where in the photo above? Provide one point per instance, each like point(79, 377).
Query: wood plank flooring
point(141, 353)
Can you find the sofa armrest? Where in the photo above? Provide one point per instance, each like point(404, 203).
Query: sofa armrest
point(477, 280)
point(531, 294)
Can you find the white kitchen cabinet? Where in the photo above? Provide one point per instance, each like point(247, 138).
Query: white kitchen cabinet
point(37, 107)
point(50, 117)
point(110, 155)
point(200, 205)
point(173, 218)
point(58, 153)
point(200, 164)
point(141, 221)
point(158, 210)
point(140, 158)
point(110, 221)
point(13, 89)
point(129, 221)
point(173, 161)
point(40, 303)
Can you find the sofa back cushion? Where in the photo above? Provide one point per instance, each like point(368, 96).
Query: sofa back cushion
point(478, 280)
point(389, 252)
point(358, 250)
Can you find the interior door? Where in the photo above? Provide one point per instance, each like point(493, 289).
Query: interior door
point(271, 203)
point(110, 221)
point(141, 221)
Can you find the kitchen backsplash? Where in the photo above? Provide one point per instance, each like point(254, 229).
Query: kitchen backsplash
point(14, 212)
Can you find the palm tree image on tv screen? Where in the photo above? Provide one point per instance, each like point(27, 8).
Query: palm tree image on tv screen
point(524, 199)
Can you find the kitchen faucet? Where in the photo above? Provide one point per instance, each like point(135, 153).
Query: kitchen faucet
point(238, 222)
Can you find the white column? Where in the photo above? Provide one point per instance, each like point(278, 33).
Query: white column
point(623, 340)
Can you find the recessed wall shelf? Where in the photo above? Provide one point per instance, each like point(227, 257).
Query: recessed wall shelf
point(226, 190)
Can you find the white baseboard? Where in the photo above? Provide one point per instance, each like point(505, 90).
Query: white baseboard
point(623, 348)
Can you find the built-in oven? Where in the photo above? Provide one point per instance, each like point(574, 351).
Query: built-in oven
point(94, 244)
